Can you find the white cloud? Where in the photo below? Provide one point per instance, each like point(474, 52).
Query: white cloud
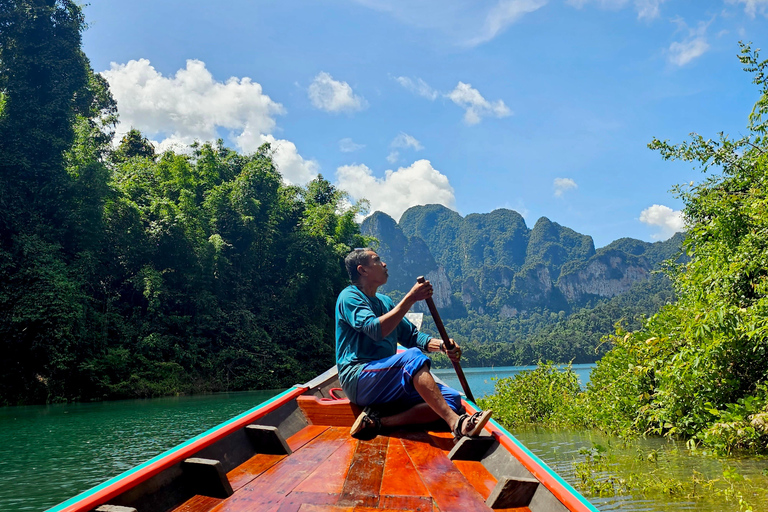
point(393, 156)
point(418, 86)
point(467, 23)
point(668, 220)
point(398, 190)
point(188, 106)
point(192, 106)
point(562, 185)
point(332, 95)
point(293, 167)
point(503, 14)
point(753, 7)
point(347, 145)
point(475, 105)
point(646, 9)
point(694, 45)
point(403, 140)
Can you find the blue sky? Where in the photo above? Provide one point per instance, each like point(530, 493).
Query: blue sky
point(541, 106)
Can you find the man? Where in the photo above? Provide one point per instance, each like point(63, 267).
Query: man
point(368, 327)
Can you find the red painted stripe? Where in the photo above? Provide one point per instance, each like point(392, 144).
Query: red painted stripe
point(542, 475)
point(104, 495)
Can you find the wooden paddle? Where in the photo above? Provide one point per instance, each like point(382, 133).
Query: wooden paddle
point(448, 343)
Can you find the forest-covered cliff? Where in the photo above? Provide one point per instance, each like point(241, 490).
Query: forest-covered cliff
point(515, 294)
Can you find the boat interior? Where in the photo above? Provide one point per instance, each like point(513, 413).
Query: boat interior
point(300, 457)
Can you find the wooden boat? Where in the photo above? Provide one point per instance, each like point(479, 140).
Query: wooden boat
point(293, 453)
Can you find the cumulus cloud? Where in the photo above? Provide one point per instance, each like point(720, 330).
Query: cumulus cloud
point(694, 45)
point(397, 191)
point(175, 111)
point(331, 95)
point(753, 7)
point(476, 107)
point(418, 86)
point(668, 220)
point(294, 168)
point(504, 14)
point(562, 185)
point(347, 145)
point(646, 9)
point(188, 106)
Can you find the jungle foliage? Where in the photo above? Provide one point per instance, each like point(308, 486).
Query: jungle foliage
point(124, 273)
point(697, 369)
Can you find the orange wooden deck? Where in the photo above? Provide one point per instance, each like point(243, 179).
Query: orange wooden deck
point(329, 471)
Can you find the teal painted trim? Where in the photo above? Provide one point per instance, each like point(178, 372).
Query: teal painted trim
point(94, 490)
point(546, 468)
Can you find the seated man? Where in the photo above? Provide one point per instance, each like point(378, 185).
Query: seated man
point(368, 328)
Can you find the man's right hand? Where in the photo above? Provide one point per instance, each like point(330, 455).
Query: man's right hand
point(420, 291)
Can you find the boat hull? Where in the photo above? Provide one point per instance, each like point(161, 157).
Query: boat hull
point(294, 453)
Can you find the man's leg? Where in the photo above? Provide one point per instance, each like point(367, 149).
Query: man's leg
point(396, 378)
point(434, 407)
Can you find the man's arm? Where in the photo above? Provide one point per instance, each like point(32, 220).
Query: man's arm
point(390, 320)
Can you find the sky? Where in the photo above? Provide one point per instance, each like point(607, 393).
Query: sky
point(545, 107)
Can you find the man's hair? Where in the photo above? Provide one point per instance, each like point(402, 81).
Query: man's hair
point(358, 256)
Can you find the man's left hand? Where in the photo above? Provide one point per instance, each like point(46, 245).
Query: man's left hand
point(455, 353)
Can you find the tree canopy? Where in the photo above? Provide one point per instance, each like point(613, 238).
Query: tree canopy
point(124, 273)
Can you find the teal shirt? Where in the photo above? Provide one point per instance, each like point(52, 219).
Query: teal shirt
point(358, 335)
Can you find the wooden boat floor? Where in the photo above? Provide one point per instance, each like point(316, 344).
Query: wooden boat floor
point(329, 471)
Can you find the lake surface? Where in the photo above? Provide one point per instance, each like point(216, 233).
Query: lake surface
point(483, 380)
point(51, 453)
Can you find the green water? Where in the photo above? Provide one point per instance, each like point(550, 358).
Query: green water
point(721, 481)
point(51, 453)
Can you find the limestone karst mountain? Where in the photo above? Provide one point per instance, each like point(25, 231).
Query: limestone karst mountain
point(492, 263)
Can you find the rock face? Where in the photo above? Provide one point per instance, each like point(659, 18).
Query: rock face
point(407, 259)
point(500, 266)
point(606, 275)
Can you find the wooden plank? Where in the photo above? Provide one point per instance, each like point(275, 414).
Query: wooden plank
point(308, 507)
point(270, 489)
point(304, 436)
point(294, 501)
point(198, 503)
point(512, 492)
point(329, 476)
point(252, 468)
point(471, 448)
point(377, 509)
point(207, 477)
point(340, 413)
point(441, 439)
point(363, 481)
point(267, 439)
point(400, 476)
point(413, 503)
point(477, 475)
point(451, 491)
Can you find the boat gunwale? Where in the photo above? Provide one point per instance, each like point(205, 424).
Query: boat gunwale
point(100, 494)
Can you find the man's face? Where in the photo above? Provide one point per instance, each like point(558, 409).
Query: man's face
point(375, 271)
